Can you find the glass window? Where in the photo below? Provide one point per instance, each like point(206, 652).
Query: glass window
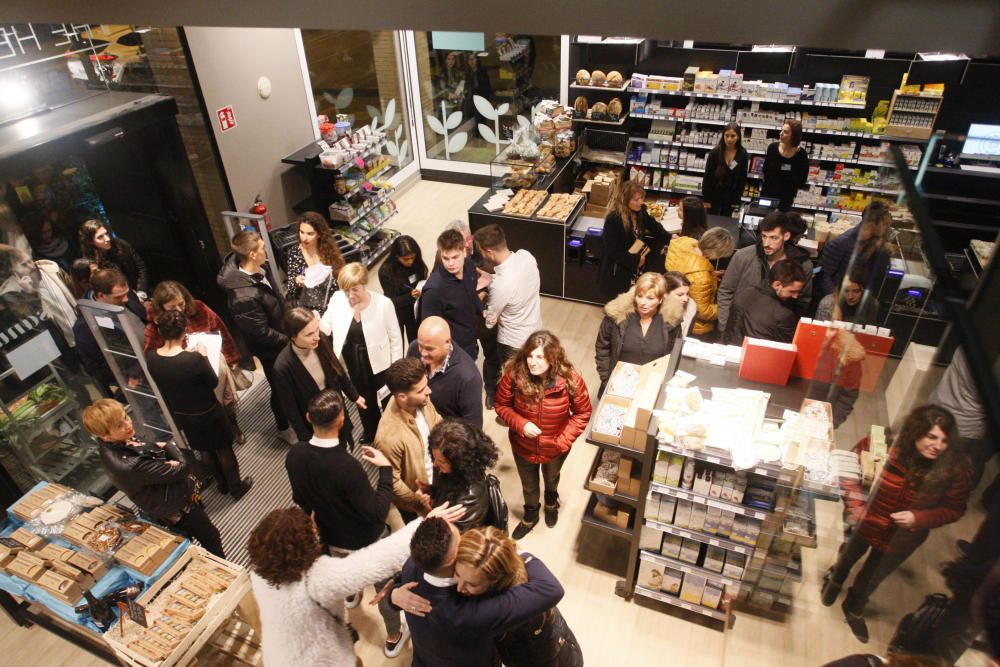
point(356, 74)
point(471, 99)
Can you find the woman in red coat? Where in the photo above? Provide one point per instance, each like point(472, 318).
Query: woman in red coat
point(923, 485)
point(544, 401)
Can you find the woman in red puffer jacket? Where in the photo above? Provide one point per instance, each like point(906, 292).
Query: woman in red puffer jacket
point(923, 484)
point(544, 401)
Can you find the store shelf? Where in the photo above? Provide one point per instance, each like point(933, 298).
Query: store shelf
point(682, 191)
point(604, 89)
point(363, 212)
point(849, 186)
point(699, 121)
point(591, 520)
point(720, 459)
point(625, 451)
point(657, 165)
point(712, 540)
point(687, 568)
point(664, 142)
point(377, 228)
point(743, 510)
point(619, 122)
point(826, 209)
point(383, 248)
point(677, 602)
point(367, 179)
point(347, 166)
point(748, 98)
point(613, 494)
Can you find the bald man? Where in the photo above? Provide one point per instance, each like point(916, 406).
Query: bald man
point(455, 382)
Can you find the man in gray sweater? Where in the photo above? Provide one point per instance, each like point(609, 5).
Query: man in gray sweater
point(750, 265)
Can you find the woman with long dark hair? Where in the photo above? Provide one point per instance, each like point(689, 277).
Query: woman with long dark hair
point(866, 245)
point(924, 484)
point(316, 246)
point(399, 276)
point(725, 172)
point(306, 367)
point(462, 456)
point(112, 252)
point(694, 221)
point(544, 401)
point(629, 222)
point(187, 382)
point(488, 562)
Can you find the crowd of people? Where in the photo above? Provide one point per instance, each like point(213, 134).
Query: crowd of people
point(406, 356)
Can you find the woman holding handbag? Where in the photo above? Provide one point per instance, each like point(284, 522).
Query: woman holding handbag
point(545, 402)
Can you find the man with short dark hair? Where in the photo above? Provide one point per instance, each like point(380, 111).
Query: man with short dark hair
point(460, 629)
point(762, 311)
point(451, 291)
point(455, 382)
point(111, 287)
point(514, 305)
point(329, 483)
point(749, 265)
point(257, 308)
point(402, 435)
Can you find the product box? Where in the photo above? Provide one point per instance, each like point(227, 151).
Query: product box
point(727, 486)
point(666, 510)
point(690, 74)
point(715, 558)
point(650, 575)
point(652, 506)
point(673, 579)
point(601, 194)
point(682, 517)
point(712, 596)
point(674, 469)
point(715, 490)
point(703, 481)
point(726, 523)
point(735, 563)
point(693, 588)
point(660, 467)
point(608, 423)
point(739, 487)
point(698, 514)
point(671, 547)
point(690, 551)
point(712, 520)
point(628, 477)
point(650, 539)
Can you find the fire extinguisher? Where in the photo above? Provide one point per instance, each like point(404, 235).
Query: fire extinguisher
point(259, 208)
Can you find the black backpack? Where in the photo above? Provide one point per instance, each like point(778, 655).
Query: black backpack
point(916, 629)
point(498, 506)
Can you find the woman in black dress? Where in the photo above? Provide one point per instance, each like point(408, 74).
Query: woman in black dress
point(306, 367)
point(187, 383)
point(316, 245)
point(725, 172)
point(628, 223)
point(399, 276)
point(786, 165)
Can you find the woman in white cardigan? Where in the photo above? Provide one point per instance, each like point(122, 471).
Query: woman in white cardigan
point(366, 336)
point(301, 592)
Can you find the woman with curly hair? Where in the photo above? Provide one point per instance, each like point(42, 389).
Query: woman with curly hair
point(488, 563)
point(113, 252)
point(316, 245)
point(462, 455)
point(923, 484)
point(301, 591)
point(544, 402)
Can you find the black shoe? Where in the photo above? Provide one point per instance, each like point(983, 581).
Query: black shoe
point(831, 590)
point(857, 624)
point(522, 529)
point(244, 487)
point(552, 514)
point(489, 402)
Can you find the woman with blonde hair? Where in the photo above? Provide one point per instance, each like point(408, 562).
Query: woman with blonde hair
point(697, 261)
point(628, 223)
point(488, 562)
point(638, 326)
point(544, 401)
point(366, 336)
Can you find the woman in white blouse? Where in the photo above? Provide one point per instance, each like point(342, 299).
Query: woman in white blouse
point(366, 336)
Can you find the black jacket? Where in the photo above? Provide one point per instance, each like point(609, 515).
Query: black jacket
point(456, 301)
point(475, 498)
point(396, 284)
point(296, 387)
point(90, 352)
point(122, 256)
point(725, 192)
point(257, 309)
point(144, 474)
point(836, 258)
point(759, 313)
point(784, 176)
point(618, 266)
point(456, 391)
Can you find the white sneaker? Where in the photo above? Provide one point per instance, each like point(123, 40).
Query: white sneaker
point(288, 435)
point(393, 649)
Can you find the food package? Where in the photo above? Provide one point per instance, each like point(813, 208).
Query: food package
point(565, 144)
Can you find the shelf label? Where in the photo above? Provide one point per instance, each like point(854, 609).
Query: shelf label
point(714, 543)
point(759, 515)
point(761, 471)
point(713, 459)
point(716, 504)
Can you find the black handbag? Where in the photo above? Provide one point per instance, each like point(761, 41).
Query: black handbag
point(916, 630)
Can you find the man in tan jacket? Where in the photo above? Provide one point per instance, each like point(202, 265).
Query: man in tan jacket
point(402, 436)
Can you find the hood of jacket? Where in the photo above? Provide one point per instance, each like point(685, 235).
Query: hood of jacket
point(230, 277)
point(623, 305)
point(793, 252)
point(683, 257)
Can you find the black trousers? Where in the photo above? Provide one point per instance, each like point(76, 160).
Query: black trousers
point(197, 526)
point(267, 364)
point(371, 415)
point(528, 472)
point(225, 468)
point(878, 566)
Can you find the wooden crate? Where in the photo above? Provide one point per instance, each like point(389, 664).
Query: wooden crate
point(204, 628)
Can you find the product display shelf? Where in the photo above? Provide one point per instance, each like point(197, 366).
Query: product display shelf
point(746, 98)
point(682, 494)
point(707, 538)
point(367, 179)
point(610, 492)
point(686, 170)
point(701, 121)
point(688, 568)
point(383, 248)
point(667, 142)
point(682, 191)
point(677, 602)
point(591, 520)
point(621, 120)
point(375, 203)
point(851, 186)
point(367, 235)
point(603, 89)
point(344, 168)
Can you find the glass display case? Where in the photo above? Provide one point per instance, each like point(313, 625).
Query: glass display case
point(511, 169)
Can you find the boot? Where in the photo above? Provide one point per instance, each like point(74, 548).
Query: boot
point(551, 510)
point(242, 489)
point(831, 588)
point(527, 523)
point(852, 614)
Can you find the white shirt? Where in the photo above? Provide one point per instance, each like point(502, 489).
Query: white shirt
point(439, 582)
point(263, 276)
point(425, 434)
point(325, 443)
point(514, 297)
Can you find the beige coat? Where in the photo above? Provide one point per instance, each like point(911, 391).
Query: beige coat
point(399, 439)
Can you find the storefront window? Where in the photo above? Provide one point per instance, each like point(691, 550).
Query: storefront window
point(473, 93)
point(357, 74)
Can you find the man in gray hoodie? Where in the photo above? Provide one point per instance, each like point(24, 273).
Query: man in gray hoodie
point(749, 266)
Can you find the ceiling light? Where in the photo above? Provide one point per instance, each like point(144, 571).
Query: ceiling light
point(942, 56)
point(773, 48)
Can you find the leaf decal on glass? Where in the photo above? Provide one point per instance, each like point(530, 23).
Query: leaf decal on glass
point(435, 124)
point(502, 109)
point(404, 149)
point(457, 142)
point(390, 113)
point(486, 133)
point(344, 99)
point(372, 111)
point(453, 120)
point(484, 107)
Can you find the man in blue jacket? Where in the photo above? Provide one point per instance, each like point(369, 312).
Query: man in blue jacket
point(451, 291)
point(460, 630)
point(455, 382)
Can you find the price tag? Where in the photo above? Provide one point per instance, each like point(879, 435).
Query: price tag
point(323, 146)
point(11, 543)
point(759, 515)
point(682, 495)
point(714, 543)
point(717, 505)
point(685, 605)
point(137, 613)
point(713, 459)
point(760, 471)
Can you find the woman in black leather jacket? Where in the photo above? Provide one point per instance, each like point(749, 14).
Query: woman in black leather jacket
point(154, 476)
point(462, 455)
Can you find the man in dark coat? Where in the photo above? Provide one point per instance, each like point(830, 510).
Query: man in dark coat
point(455, 382)
point(451, 291)
point(257, 308)
point(763, 311)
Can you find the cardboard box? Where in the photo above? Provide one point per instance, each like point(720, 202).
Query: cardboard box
point(650, 539)
point(652, 510)
point(690, 551)
point(712, 596)
point(734, 565)
point(601, 194)
point(628, 477)
point(650, 575)
point(693, 588)
point(612, 410)
point(666, 509)
point(671, 547)
point(675, 467)
point(673, 580)
point(682, 517)
point(715, 559)
point(698, 514)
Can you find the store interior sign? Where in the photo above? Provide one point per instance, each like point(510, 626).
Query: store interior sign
point(458, 41)
point(227, 118)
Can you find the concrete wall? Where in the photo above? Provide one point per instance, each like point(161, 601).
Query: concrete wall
point(229, 61)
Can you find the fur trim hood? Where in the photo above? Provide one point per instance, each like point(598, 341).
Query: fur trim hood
point(623, 305)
